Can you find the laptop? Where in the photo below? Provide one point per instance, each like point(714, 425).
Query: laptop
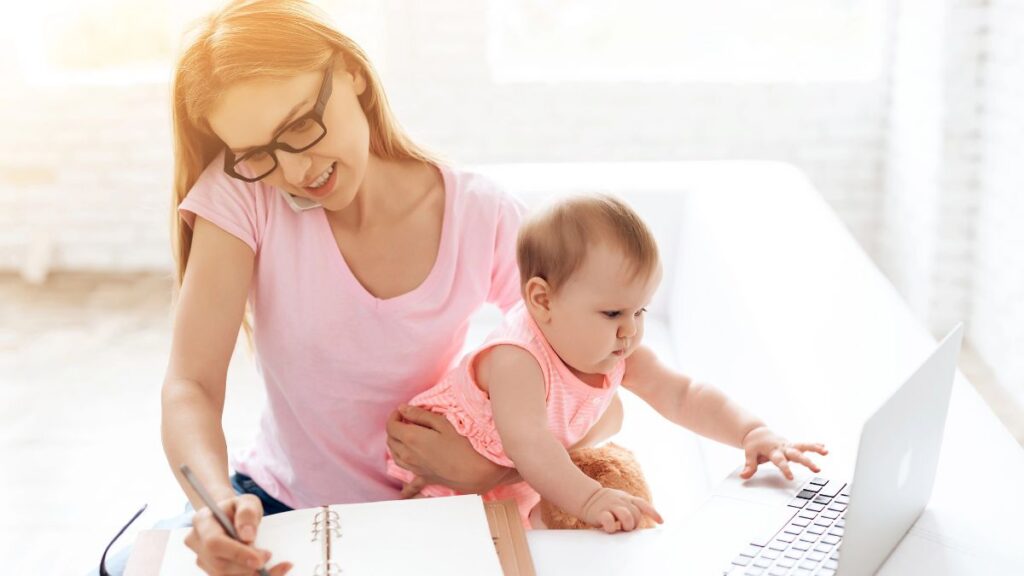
point(833, 527)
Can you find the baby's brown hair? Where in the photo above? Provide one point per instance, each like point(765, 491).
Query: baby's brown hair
point(554, 240)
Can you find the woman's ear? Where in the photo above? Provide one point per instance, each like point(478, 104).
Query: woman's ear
point(355, 74)
point(537, 296)
point(358, 82)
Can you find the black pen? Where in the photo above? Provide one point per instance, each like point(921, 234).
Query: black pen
point(217, 513)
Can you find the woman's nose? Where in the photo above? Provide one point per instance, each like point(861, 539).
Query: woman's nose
point(295, 167)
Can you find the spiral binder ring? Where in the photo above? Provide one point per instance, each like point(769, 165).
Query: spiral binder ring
point(327, 569)
point(325, 520)
point(327, 523)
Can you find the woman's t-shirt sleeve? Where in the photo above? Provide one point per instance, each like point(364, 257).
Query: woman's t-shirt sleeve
point(237, 207)
point(505, 288)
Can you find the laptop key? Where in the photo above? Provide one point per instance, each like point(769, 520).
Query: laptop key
point(816, 530)
point(830, 514)
point(805, 494)
point(832, 488)
point(798, 502)
point(815, 507)
point(823, 548)
point(742, 560)
point(751, 551)
point(778, 545)
point(787, 562)
point(831, 540)
point(809, 514)
point(762, 562)
point(801, 545)
point(801, 522)
point(778, 571)
point(818, 481)
point(819, 499)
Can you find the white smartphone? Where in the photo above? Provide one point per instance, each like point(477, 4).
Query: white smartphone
point(298, 203)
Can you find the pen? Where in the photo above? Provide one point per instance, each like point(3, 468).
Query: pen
point(217, 513)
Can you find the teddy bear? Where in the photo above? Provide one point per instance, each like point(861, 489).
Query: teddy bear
point(613, 467)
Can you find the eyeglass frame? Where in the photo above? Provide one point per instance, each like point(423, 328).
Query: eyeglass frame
point(316, 114)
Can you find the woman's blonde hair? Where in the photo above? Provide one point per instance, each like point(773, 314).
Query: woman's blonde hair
point(249, 39)
point(553, 241)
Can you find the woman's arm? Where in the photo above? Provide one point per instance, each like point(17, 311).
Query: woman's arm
point(207, 317)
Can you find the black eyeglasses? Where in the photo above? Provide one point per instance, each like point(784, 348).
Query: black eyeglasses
point(103, 559)
point(299, 136)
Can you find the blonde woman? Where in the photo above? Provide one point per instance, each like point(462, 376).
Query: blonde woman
point(351, 256)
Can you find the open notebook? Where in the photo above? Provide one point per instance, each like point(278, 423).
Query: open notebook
point(425, 536)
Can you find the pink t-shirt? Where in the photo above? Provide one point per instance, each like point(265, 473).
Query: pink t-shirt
point(335, 359)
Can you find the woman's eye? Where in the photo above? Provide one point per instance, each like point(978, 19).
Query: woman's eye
point(640, 312)
point(257, 156)
point(301, 125)
point(611, 313)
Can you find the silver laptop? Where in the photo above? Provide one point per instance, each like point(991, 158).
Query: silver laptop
point(867, 518)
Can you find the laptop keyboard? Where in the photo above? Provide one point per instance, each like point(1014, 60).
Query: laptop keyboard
point(809, 543)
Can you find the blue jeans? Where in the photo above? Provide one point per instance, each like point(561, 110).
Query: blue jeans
point(240, 482)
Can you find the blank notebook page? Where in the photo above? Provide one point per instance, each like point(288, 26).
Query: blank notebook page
point(423, 536)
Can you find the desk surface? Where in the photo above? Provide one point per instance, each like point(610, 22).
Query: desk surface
point(788, 315)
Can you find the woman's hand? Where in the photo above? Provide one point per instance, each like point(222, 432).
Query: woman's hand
point(762, 445)
point(427, 445)
point(220, 555)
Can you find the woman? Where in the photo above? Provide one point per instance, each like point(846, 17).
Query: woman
point(352, 258)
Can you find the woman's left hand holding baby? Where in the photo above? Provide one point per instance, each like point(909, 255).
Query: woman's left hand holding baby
point(763, 445)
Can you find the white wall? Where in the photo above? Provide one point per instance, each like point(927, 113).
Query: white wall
point(920, 164)
point(998, 289)
point(86, 167)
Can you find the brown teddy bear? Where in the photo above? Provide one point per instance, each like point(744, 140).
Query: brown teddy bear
point(613, 467)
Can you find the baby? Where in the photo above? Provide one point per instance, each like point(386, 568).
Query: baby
point(589, 268)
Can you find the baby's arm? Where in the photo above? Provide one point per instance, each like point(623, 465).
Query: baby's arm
point(708, 412)
point(697, 406)
point(515, 383)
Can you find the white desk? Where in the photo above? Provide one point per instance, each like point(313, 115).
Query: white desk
point(775, 303)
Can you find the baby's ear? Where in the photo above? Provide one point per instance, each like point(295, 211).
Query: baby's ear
point(537, 295)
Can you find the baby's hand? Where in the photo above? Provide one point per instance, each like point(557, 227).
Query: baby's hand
point(762, 445)
point(615, 510)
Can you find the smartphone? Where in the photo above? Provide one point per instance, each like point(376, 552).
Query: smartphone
point(298, 203)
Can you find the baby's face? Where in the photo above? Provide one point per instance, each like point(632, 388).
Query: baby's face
point(597, 317)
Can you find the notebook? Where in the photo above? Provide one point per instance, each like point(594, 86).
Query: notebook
point(455, 535)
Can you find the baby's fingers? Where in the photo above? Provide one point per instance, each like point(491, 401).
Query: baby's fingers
point(779, 459)
point(648, 509)
point(751, 465)
point(608, 522)
point(807, 447)
point(799, 457)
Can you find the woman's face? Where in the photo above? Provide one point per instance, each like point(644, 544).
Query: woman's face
point(251, 113)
